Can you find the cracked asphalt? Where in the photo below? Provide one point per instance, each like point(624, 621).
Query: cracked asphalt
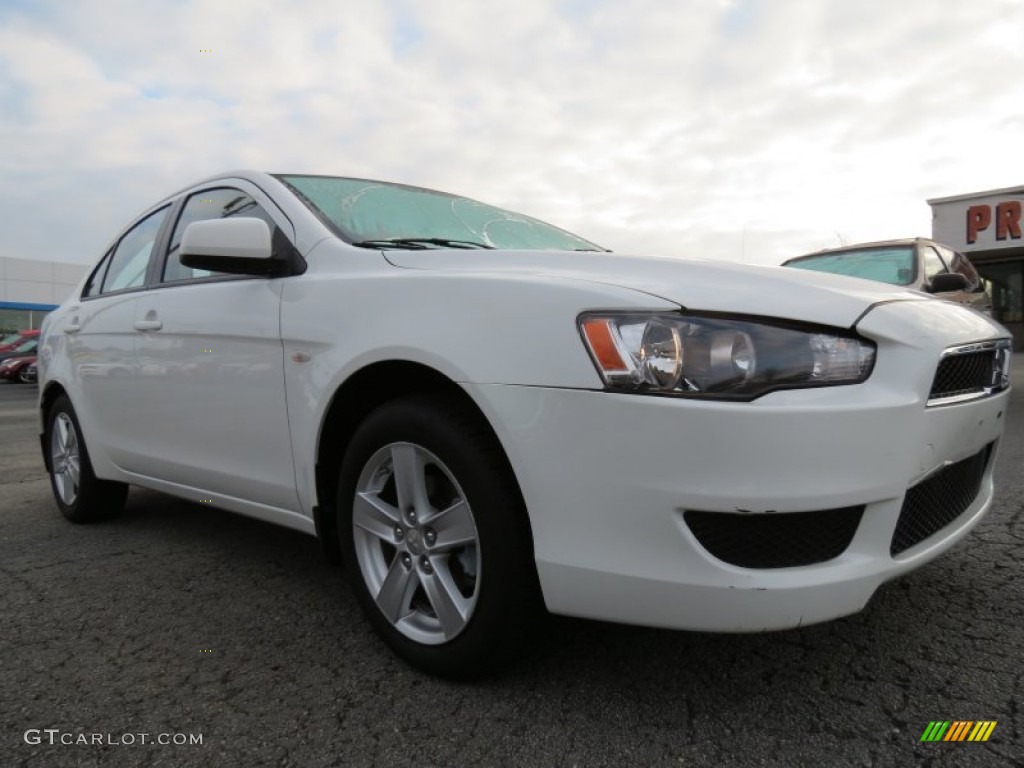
point(181, 619)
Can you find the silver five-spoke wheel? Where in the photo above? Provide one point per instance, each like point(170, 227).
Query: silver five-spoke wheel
point(81, 496)
point(65, 458)
point(435, 536)
point(416, 543)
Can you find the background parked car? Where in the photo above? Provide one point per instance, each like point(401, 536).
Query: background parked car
point(27, 349)
point(11, 341)
point(12, 368)
point(917, 263)
point(30, 375)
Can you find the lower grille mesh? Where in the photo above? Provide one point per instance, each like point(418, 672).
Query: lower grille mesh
point(775, 540)
point(933, 504)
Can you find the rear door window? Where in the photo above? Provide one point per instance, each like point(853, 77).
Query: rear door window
point(92, 285)
point(131, 257)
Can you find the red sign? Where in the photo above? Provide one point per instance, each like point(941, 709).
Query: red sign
point(1007, 216)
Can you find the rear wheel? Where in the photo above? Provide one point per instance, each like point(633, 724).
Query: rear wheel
point(81, 496)
point(435, 538)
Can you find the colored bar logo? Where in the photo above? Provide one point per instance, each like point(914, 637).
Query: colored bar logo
point(958, 730)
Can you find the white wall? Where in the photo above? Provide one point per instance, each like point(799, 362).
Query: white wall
point(38, 282)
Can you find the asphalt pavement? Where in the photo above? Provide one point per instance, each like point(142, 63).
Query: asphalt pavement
point(177, 620)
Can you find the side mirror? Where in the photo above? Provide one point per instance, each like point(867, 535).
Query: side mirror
point(947, 282)
point(241, 246)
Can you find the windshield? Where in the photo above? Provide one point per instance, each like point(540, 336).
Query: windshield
point(10, 338)
point(893, 264)
point(28, 346)
point(377, 214)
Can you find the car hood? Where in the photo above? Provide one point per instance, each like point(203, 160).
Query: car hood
point(708, 286)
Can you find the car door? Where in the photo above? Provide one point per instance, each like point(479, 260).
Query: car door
point(99, 332)
point(211, 367)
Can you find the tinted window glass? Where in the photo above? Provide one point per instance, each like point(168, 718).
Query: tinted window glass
point(933, 264)
point(131, 256)
point(959, 263)
point(893, 265)
point(209, 204)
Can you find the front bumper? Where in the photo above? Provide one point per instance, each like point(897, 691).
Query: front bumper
point(608, 477)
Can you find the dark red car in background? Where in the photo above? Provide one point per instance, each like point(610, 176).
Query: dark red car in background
point(16, 368)
point(27, 349)
point(12, 341)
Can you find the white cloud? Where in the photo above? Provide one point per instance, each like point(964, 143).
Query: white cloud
point(740, 130)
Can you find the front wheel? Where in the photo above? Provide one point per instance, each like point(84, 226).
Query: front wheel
point(435, 538)
point(81, 496)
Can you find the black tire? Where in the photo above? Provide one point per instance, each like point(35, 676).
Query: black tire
point(93, 499)
point(502, 569)
point(23, 376)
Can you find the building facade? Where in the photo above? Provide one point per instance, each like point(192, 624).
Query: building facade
point(987, 226)
point(30, 289)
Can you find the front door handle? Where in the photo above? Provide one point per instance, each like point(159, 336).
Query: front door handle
point(148, 325)
point(72, 328)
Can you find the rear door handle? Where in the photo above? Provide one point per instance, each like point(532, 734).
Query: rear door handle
point(148, 325)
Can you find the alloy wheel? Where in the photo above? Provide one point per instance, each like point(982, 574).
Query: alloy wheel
point(416, 543)
point(65, 458)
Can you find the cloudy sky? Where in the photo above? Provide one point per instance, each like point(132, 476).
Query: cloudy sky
point(735, 129)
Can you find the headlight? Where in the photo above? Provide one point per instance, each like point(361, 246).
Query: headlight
point(719, 357)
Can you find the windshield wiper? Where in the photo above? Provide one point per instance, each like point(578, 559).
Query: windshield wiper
point(420, 243)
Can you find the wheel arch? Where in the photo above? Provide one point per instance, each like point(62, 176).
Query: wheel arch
point(362, 392)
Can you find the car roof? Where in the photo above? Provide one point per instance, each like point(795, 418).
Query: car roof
point(865, 246)
point(257, 177)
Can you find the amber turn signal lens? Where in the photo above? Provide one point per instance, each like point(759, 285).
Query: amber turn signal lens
point(599, 336)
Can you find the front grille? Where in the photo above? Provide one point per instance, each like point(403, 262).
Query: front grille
point(775, 540)
point(963, 374)
point(936, 502)
point(973, 370)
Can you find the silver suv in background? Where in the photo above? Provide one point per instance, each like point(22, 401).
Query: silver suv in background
point(917, 263)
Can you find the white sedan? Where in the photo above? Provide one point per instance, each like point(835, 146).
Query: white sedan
point(483, 415)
